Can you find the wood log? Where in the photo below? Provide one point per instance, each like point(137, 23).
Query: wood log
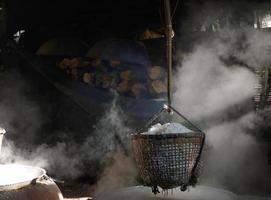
point(103, 81)
point(126, 75)
point(123, 87)
point(88, 77)
point(138, 90)
point(157, 87)
point(156, 72)
point(151, 34)
point(64, 63)
point(115, 63)
point(74, 63)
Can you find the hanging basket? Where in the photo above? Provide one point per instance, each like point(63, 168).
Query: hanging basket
point(169, 160)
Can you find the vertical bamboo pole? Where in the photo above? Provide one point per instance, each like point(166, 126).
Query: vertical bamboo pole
point(168, 34)
point(265, 87)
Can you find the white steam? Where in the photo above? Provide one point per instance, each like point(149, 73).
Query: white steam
point(207, 88)
point(24, 144)
point(205, 85)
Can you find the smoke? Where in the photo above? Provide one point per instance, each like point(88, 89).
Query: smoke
point(19, 115)
point(120, 172)
point(234, 159)
point(101, 153)
point(249, 46)
point(205, 85)
point(214, 85)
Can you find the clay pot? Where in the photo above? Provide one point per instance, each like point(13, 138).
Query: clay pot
point(20, 182)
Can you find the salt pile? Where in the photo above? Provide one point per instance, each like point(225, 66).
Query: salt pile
point(12, 174)
point(174, 128)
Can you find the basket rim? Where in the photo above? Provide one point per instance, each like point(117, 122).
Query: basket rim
point(168, 135)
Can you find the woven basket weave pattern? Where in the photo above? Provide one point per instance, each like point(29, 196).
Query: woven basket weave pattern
point(167, 160)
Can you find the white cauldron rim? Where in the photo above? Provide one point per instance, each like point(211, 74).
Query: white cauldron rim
point(2, 131)
point(19, 185)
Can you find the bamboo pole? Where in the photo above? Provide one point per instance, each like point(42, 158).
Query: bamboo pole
point(168, 34)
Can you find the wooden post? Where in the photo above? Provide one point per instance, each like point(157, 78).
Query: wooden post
point(168, 34)
point(265, 87)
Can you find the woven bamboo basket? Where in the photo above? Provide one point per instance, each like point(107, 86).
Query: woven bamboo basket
point(168, 160)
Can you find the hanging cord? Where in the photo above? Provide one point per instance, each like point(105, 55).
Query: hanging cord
point(149, 121)
point(172, 15)
point(170, 110)
point(187, 120)
point(174, 10)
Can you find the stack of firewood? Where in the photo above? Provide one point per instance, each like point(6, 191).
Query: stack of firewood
point(127, 79)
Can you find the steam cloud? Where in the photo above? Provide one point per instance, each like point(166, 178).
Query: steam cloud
point(213, 93)
point(104, 147)
point(207, 90)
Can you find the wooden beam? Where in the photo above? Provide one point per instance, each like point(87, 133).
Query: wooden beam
point(168, 33)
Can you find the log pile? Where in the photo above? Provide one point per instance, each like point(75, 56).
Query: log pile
point(127, 79)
